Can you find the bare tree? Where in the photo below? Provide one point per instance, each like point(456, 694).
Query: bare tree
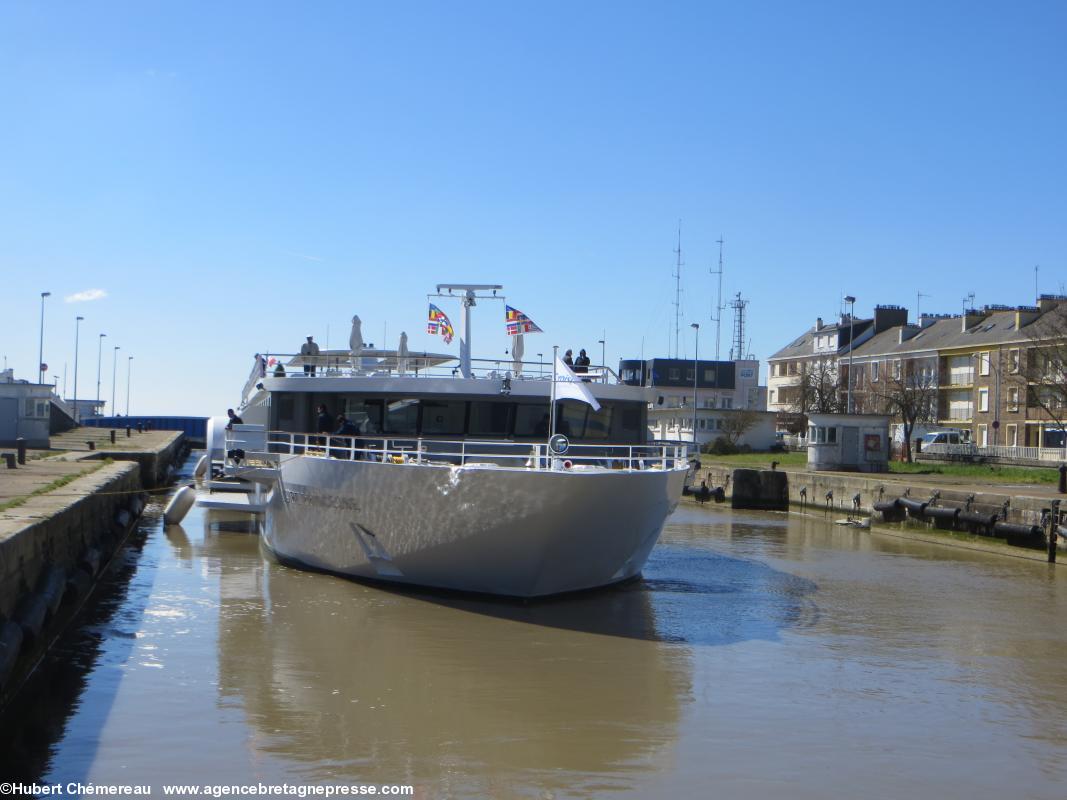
point(818, 391)
point(909, 394)
point(737, 423)
point(1042, 375)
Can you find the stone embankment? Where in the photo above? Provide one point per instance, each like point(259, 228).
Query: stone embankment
point(62, 517)
point(1023, 508)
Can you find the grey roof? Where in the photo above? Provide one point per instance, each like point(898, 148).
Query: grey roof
point(947, 334)
point(804, 345)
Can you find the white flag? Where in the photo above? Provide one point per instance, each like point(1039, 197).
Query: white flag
point(570, 387)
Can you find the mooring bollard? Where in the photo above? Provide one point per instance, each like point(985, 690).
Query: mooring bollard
point(10, 459)
point(1063, 478)
point(140, 427)
point(112, 436)
point(127, 431)
point(20, 443)
point(92, 445)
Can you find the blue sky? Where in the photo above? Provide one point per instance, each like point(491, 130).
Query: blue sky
point(236, 175)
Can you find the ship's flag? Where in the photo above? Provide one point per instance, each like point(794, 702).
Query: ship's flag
point(438, 324)
point(569, 386)
point(518, 323)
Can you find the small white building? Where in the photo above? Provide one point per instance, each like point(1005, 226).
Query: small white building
point(24, 411)
point(848, 442)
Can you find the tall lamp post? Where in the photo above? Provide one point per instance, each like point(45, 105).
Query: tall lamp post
point(77, 326)
point(851, 327)
point(114, 364)
point(696, 372)
point(40, 344)
point(129, 361)
point(99, 353)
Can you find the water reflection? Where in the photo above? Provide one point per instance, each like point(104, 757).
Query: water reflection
point(761, 654)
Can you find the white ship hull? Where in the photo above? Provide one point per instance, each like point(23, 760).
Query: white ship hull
point(476, 528)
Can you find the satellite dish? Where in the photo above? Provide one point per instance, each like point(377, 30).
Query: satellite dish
point(558, 444)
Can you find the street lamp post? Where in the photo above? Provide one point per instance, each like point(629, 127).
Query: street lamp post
point(114, 364)
point(40, 344)
point(129, 361)
point(99, 353)
point(851, 346)
point(696, 372)
point(77, 326)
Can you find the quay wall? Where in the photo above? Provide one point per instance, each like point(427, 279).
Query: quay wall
point(154, 464)
point(808, 491)
point(55, 547)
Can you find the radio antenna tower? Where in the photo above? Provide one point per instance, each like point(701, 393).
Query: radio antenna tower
point(716, 317)
point(738, 305)
point(678, 291)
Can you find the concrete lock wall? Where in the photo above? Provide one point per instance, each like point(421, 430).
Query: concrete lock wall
point(54, 561)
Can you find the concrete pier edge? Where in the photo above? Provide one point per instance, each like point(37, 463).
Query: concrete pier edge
point(53, 555)
point(874, 487)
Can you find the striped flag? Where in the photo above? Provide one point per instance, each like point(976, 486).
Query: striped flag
point(438, 324)
point(518, 323)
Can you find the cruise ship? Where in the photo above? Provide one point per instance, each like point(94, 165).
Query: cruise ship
point(455, 473)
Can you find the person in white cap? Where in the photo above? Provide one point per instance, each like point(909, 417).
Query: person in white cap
point(309, 348)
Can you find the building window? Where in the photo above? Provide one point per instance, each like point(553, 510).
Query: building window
point(983, 436)
point(1013, 360)
point(1013, 398)
point(983, 399)
point(874, 370)
point(709, 376)
point(896, 369)
point(983, 363)
point(727, 402)
point(1012, 436)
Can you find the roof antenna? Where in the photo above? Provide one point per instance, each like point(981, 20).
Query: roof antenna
point(717, 316)
point(678, 290)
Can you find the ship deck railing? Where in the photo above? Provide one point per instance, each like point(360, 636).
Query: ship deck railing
point(463, 452)
point(386, 363)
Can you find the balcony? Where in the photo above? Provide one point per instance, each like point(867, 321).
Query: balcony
point(957, 378)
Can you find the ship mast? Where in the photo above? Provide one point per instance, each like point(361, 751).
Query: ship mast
point(469, 297)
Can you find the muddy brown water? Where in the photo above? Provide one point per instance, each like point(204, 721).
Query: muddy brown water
point(760, 656)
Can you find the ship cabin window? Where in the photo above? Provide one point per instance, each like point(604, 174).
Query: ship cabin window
point(402, 416)
point(444, 417)
point(491, 419)
point(366, 414)
point(620, 422)
point(531, 419)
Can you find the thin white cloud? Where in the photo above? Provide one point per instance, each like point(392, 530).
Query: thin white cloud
point(86, 296)
point(303, 256)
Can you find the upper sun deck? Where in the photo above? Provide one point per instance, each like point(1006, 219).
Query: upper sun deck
point(386, 370)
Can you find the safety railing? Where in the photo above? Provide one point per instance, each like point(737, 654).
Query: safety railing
point(468, 453)
point(418, 365)
point(1005, 452)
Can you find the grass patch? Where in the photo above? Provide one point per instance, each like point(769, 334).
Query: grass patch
point(985, 472)
point(15, 502)
point(993, 473)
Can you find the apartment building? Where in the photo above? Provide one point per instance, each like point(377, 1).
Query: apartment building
point(809, 374)
point(998, 372)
